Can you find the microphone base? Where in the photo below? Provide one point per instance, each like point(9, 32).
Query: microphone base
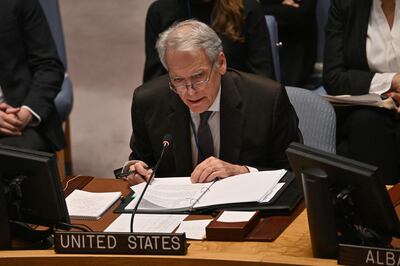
point(120, 243)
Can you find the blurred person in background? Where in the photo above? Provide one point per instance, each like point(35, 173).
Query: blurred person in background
point(239, 23)
point(362, 55)
point(31, 75)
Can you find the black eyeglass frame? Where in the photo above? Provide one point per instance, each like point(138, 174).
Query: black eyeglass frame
point(192, 85)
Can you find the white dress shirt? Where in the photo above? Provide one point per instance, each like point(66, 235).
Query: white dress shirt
point(383, 47)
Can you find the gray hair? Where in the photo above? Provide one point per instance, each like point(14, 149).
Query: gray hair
point(189, 35)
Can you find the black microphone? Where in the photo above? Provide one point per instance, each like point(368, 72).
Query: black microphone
point(167, 142)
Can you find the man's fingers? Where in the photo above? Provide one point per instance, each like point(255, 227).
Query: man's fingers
point(135, 179)
point(142, 173)
point(11, 119)
point(12, 110)
point(142, 169)
point(7, 132)
point(204, 177)
point(8, 126)
point(4, 106)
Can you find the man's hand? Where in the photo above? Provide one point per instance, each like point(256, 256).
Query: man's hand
point(24, 116)
point(213, 168)
point(291, 3)
point(10, 124)
point(142, 173)
point(396, 97)
point(395, 83)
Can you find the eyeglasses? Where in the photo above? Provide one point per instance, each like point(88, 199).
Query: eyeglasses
point(197, 82)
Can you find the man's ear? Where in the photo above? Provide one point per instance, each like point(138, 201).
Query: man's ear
point(221, 63)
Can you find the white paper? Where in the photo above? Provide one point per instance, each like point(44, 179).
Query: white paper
point(146, 223)
point(273, 192)
point(168, 193)
point(90, 205)
point(178, 193)
point(250, 187)
point(194, 229)
point(365, 99)
point(235, 216)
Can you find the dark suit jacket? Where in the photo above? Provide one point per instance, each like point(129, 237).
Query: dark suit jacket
point(253, 56)
point(257, 124)
point(346, 68)
point(30, 71)
point(297, 29)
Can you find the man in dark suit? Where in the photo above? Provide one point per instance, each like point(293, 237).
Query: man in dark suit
point(31, 75)
point(250, 119)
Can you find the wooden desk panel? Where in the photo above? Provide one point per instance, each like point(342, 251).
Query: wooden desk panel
point(292, 247)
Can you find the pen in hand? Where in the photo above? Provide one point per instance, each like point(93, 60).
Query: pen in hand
point(125, 174)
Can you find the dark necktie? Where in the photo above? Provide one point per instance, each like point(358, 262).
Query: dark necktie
point(204, 138)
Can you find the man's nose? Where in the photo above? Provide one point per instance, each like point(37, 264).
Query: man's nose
point(190, 89)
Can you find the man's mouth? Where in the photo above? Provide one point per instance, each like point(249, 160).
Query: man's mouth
point(196, 100)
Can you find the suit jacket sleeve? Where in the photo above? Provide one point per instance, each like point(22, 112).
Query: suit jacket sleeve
point(284, 130)
point(46, 68)
point(140, 143)
point(341, 74)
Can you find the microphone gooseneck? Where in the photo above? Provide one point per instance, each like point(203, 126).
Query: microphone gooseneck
point(167, 141)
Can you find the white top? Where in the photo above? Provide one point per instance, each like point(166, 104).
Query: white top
point(383, 47)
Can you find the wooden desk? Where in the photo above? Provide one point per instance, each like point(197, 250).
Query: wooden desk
point(293, 247)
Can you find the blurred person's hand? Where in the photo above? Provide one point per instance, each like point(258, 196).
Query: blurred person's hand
point(10, 124)
point(291, 3)
point(24, 116)
point(395, 83)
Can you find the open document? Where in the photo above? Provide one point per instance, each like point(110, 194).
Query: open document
point(179, 194)
point(366, 99)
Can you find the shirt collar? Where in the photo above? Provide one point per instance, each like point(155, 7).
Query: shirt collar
point(215, 106)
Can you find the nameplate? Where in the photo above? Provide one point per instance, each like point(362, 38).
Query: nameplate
point(359, 255)
point(120, 243)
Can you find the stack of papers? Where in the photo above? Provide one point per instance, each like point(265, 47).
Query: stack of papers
point(90, 205)
point(179, 194)
point(366, 99)
point(146, 223)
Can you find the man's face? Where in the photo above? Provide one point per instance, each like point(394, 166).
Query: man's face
point(195, 78)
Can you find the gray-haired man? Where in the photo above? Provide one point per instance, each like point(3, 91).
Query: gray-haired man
point(250, 121)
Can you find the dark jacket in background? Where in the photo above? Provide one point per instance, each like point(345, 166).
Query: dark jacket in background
point(346, 68)
point(254, 55)
point(367, 134)
point(31, 72)
point(297, 31)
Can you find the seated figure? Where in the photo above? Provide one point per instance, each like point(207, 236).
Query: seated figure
point(223, 122)
point(31, 75)
point(362, 56)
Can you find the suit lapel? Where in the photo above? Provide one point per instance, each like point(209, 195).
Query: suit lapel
point(179, 125)
point(232, 119)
